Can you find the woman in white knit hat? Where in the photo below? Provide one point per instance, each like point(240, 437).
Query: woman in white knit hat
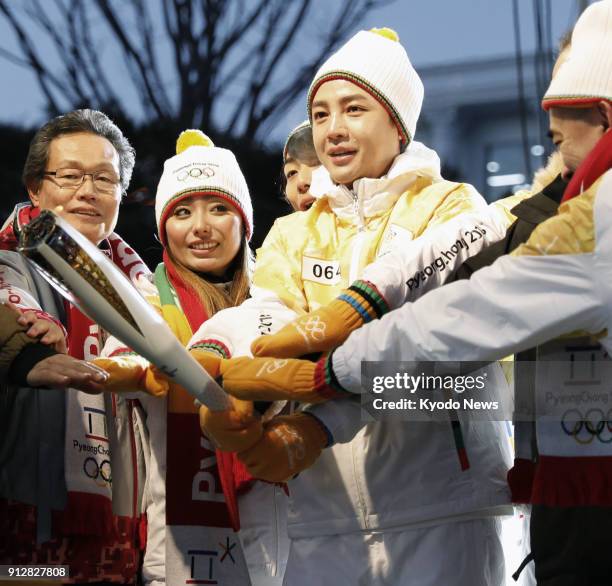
point(392, 504)
point(205, 220)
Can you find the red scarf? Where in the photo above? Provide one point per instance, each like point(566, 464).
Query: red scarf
point(232, 473)
point(86, 533)
point(87, 514)
point(598, 161)
point(23, 215)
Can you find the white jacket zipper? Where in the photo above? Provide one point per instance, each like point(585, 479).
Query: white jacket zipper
point(354, 267)
point(354, 270)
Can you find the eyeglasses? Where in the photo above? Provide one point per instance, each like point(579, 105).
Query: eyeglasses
point(104, 181)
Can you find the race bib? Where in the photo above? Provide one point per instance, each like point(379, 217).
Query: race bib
point(325, 272)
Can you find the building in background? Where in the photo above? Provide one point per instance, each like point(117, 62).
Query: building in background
point(473, 118)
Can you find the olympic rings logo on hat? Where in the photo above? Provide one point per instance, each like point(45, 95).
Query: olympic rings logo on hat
point(195, 173)
point(584, 429)
point(92, 469)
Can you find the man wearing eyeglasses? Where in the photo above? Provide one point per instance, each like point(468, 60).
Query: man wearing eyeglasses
point(88, 200)
point(55, 505)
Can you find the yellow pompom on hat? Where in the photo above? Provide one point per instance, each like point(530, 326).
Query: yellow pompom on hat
point(388, 33)
point(192, 137)
point(201, 168)
point(585, 77)
point(375, 61)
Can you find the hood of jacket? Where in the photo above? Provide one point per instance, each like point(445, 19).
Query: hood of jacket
point(546, 175)
point(368, 196)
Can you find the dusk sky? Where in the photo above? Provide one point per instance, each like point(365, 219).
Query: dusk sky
point(433, 32)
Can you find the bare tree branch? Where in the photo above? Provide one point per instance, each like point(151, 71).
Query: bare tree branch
point(275, 13)
point(133, 56)
point(146, 34)
point(236, 65)
point(257, 87)
point(42, 74)
point(14, 58)
point(66, 51)
point(91, 60)
point(240, 30)
point(78, 44)
point(347, 17)
point(185, 48)
point(232, 73)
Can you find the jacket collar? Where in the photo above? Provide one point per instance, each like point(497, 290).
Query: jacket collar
point(368, 196)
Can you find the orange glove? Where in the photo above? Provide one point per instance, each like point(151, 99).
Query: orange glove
point(132, 373)
point(209, 361)
point(290, 444)
point(277, 379)
point(232, 430)
point(327, 327)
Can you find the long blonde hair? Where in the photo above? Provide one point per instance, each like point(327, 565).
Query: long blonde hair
point(213, 297)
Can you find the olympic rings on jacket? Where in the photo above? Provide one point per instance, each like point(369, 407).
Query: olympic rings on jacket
point(93, 470)
point(595, 424)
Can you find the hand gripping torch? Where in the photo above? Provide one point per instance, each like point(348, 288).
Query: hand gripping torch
point(85, 276)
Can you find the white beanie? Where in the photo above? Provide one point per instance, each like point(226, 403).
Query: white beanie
point(376, 62)
point(200, 168)
point(586, 75)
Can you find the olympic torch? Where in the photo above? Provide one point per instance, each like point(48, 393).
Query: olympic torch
point(87, 278)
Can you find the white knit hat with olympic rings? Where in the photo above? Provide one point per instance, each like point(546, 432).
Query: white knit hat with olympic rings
point(200, 168)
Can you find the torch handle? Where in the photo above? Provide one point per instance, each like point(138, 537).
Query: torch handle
point(182, 368)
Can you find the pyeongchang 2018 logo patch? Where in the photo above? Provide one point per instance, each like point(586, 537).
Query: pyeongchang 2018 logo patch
point(95, 448)
point(204, 562)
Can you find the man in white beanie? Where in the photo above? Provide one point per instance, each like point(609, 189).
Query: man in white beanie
point(356, 517)
point(558, 283)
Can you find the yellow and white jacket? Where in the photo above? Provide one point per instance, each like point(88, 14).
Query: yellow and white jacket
point(407, 273)
point(558, 282)
point(306, 260)
point(309, 257)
